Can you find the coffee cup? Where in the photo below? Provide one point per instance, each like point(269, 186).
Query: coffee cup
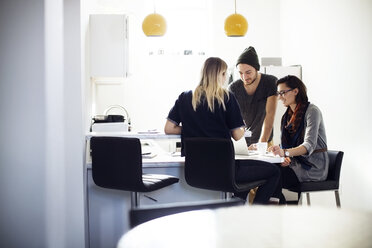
point(261, 147)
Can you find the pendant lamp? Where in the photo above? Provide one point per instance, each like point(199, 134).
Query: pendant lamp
point(154, 24)
point(236, 25)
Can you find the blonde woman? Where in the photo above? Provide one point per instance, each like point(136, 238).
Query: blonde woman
point(211, 111)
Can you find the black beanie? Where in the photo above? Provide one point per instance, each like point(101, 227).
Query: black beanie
point(249, 57)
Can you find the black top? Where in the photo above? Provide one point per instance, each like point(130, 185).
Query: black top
point(202, 122)
point(253, 107)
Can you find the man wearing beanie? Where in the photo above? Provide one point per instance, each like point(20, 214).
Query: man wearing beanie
point(256, 95)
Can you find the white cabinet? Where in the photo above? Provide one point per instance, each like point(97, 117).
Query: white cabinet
point(108, 45)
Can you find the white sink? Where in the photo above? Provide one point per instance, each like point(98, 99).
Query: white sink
point(110, 127)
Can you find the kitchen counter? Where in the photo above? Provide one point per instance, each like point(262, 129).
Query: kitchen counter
point(161, 157)
point(140, 135)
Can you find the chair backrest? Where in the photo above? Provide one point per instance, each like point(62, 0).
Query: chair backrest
point(117, 162)
point(210, 163)
point(335, 162)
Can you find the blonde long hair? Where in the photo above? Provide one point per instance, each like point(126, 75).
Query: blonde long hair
point(210, 85)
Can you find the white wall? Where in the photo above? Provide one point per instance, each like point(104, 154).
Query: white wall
point(41, 146)
point(197, 25)
point(263, 29)
point(22, 143)
point(332, 41)
point(74, 134)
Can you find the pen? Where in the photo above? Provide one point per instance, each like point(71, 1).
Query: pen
point(150, 198)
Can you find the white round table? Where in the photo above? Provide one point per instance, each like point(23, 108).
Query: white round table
point(251, 226)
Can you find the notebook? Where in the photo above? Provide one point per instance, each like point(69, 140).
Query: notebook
point(240, 147)
point(242, 153)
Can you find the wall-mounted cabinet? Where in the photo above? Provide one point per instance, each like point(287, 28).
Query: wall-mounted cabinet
point(108, 45)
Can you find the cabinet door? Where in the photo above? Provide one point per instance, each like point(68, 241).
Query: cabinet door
point(108, 45)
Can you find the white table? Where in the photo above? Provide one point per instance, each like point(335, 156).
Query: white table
point(163, 158)
point(139, 135)
point(268, 157)
point(255, 226)
point(166, 158)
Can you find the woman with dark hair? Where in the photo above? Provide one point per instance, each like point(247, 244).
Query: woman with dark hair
point(212, 111)
point(303, 137)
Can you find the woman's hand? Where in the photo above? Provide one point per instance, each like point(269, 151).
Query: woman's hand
point(286, 162)
point(277, 150)
point(252, 147)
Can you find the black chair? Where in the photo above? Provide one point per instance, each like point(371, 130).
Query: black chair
point(331, 183)
point(146, 213)
point(117, 164)
point(210, 164)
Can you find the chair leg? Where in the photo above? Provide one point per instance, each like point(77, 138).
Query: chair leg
point(134, 199)
point(224, 195)
point(299, 198)
point(338, 203)
point(308, 198)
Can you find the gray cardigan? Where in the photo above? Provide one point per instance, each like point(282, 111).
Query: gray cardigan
point(315, 138)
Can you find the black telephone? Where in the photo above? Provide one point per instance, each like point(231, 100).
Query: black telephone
point(108, 118)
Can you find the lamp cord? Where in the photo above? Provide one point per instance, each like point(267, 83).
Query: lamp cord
point(235, 6)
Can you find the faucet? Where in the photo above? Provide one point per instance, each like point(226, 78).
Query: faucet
point(122, 108)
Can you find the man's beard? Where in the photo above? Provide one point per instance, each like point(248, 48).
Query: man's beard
point(254, 80)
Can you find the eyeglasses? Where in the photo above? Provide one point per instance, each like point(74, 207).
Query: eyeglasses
point(283, 92)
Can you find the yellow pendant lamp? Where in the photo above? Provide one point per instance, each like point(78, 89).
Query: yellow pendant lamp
point(154, 24)
point(236, 25)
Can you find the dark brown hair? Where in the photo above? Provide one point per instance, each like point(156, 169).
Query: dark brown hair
point(294, 82)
